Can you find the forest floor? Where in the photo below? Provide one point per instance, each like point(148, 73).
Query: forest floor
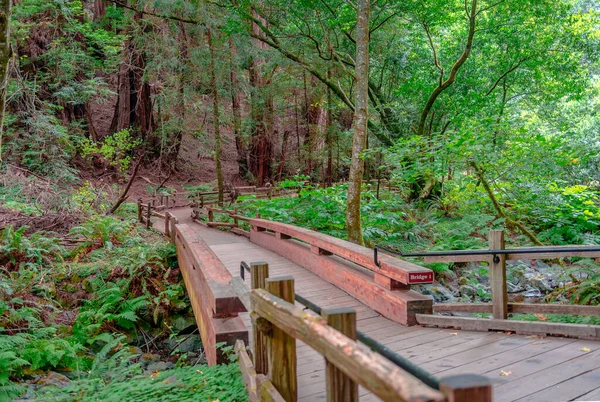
point(97, 309)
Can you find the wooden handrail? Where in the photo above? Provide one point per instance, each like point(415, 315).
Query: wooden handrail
point(500, 307)
point(208, 283)
point(213, 277)
point(393, 268)
point(363, 366)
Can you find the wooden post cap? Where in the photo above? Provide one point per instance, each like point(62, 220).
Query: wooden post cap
point(467, 388)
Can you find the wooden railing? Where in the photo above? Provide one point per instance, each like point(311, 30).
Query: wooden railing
point(208, 282)
point(276, 325)
point(501, 307)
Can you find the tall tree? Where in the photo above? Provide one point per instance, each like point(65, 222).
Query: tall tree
point(361, 119)
point(4, 60)
point(216, 115)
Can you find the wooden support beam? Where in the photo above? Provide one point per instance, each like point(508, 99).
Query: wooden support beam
point(240, 232)
point(367, 368)
point(467, 388)
point(498, 275)
point(519, 308)
point(259, 272)
point(581, 331)
point(282, 347)
point(220, 224)
point(340, 387)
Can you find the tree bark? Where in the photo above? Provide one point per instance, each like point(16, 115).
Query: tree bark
point(216, 115)
point(5, 53)
point(173, 154)
point(134, 107)
point(261, 147)
point(329, 139)
point(99, 9)
point(361, 118)
point(445, 84)
point(242, 152)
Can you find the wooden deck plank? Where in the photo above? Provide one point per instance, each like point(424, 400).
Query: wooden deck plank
point(593, 395)
point(540, 380)
point(496, 362)
point(567, 390)
point(539, 362)
point(474, 354)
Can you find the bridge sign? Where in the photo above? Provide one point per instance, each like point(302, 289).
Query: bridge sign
point(420, 277)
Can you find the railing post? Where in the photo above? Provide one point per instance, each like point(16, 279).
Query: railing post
point(167, 223)
point(235, 221)
point(211, 215)
point(174, 221)
point(466, 388)
point(140, 212)
point(282, 347)
point(259, 272)
point(148, 214)
point(498, 275)
point(340, 388)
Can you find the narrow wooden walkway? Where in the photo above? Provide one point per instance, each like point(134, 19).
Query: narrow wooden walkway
point(521, 368)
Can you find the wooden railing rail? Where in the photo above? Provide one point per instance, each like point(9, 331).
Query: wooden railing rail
point(500, 307)
point(277, 323)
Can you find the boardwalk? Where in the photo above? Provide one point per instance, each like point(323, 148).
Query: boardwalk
point(521, 368)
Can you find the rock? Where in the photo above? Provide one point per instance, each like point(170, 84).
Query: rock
point(532, 292)
point(54, 379)
point(150, 357)
point(185, 344)
point(468, 291)
point(184, 323)
point(439, 293)
point(159, 366)
point(542, 283)
point(512, 287)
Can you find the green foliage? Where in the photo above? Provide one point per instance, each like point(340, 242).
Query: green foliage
point(114, 149)
point(298, 181)
point(17, 250)
point(102, 230)
point(110, 307)
point(197, 383)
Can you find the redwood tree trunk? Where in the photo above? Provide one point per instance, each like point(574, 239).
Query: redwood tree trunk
point(242, 152)
point(261, 147)
point(5, 9)
point(134, 105)
point(216, 115)
point(361, 116)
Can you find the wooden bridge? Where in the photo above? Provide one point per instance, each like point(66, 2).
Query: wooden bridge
point(289, 343)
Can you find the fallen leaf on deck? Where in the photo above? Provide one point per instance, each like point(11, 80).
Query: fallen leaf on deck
point(454, 333)
point(505, 373)
point(541, 317)
point(586, 350)
point(539, 342)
